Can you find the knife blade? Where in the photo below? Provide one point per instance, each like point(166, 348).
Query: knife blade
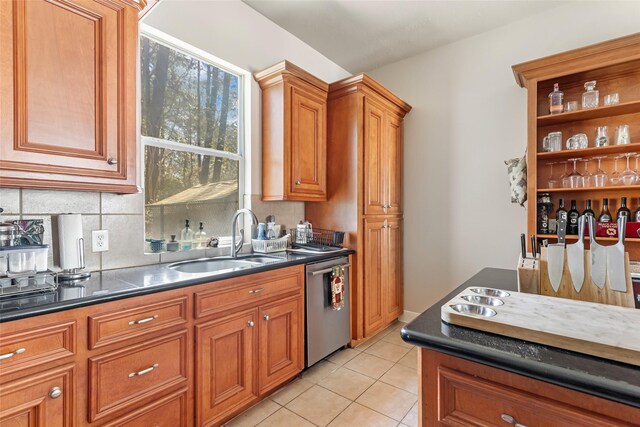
point(555, 257)
point(575, 257)
point(598, 256)
point(615, 259)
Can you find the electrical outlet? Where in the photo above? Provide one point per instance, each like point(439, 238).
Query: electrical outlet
point(100, 240)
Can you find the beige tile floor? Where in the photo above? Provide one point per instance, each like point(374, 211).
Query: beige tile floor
point(373, 385)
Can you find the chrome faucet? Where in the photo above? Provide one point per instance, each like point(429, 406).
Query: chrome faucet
point(236, 247)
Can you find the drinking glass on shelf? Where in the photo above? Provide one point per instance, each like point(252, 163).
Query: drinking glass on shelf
point(575, 177)
point(571, 106)
point(599, 177)
point(552, 182)
point(622, 135)
point(611, 99)
point(628, 176)
point(577, 142)
point(564, 177)
point(602, 136)
point(614, 178)
point(586, 175)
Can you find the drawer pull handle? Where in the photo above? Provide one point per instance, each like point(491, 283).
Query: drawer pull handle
point(298, 182)
point(256, 291)
point(265, 317)
point(145, 320)
point(10, 355)
point(251, 323)
point(144, 371)
point(509, 419)
point(55, 392)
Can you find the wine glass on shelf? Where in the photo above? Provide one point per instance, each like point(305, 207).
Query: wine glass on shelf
point(564, 177)
point(636, 156)
point(575, 177)
point(586, 175)
point(599, 177)
point(552, 182)
point(614, 178)
point(628, 176)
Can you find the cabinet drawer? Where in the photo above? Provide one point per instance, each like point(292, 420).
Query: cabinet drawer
point(109, 328)
point(258, 289)
point(35, 346)
point(170, 411)
point(132, 376)
point(472, 401)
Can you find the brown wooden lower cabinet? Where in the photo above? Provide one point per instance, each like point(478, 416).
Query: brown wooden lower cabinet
point(195, 356)
point(457, 392)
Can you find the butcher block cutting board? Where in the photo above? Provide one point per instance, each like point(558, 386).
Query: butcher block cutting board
point(600, 330)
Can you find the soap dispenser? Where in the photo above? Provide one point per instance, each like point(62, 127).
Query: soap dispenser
point(186, 237)
point(200, 238)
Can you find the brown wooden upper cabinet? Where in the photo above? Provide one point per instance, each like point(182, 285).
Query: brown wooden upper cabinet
point(294, 120)
point(68, 94)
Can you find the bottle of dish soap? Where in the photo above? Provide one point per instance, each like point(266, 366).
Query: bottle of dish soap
point(186, 237)
point(200, 238)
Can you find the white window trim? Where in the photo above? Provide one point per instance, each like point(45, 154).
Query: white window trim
point(244, 114)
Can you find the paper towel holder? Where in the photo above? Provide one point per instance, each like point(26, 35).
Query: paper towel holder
point(75, 274)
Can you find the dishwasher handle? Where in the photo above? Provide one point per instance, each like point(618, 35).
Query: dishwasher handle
point(329, 270)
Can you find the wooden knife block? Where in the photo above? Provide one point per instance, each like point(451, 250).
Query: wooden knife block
point(589, 292)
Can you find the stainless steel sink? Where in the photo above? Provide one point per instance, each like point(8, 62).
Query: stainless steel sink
point(262, 259)
point(211, 265)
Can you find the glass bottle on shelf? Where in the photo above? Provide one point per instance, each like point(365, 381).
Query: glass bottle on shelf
point(588, 211)
point(623, 210)
point(636, 213)
point(200, 238)
point(555, 100)
point(591, 95)
point(186, 237)
point(605, 215)
point(561, 212)
point(572, 219)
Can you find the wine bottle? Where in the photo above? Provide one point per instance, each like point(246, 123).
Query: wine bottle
point(561, 212)
point(572, 219)
point(605, 215)
point(636, 214)
point(623, 210)
point(588, 211)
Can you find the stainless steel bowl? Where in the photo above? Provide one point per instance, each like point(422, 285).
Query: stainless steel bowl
point(475, 310)
point(9, 234)
point(481, 299)
point(490, 292)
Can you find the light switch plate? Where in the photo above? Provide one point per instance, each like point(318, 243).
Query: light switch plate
point(99, 240)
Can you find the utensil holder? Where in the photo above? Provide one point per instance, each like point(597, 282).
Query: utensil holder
point(589, 291)
point(529, 275)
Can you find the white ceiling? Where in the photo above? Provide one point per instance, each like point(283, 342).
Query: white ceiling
point(361, 35)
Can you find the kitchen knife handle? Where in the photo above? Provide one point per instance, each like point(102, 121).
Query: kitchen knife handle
point(592, 228)
point(562, 229)
point(523, 245)
point(581, 222)
point(622, 228)
point(534, 245)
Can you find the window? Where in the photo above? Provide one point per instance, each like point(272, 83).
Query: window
point(191, 123)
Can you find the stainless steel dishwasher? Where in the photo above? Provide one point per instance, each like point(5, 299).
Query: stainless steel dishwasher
point(326, 329)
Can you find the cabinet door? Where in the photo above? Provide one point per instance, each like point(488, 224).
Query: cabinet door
point(40, 400)
point(68, 101)
point(225, 366)
point(393, 164)
point(374, 162)
point(373, 268)
point(392, 282)
point(308, 146)
point(281, 342)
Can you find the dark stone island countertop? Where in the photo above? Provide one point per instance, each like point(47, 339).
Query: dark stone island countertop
point(615, 381)
point(122, 283)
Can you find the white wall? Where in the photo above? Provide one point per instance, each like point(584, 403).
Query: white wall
point(468, 116)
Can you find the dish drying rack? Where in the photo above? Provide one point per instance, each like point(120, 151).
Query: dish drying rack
point(28, 283)
point(317, 239)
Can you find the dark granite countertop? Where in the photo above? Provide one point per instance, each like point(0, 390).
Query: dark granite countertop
point(128, 282)
point(615, 381)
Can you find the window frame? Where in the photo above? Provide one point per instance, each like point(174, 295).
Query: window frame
point(244, 98)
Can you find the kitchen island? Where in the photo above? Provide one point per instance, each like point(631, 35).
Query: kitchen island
point(469, 377)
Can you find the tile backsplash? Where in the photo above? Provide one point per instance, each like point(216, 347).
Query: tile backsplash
point(123, 216)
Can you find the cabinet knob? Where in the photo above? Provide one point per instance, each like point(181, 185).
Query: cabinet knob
point(298, 182)
point(511, 420)
point(265, 317)
point(55, 392)
point(112, 161)
point(251, 323)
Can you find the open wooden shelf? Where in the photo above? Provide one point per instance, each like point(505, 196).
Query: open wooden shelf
point(575, 190)
point(592, 113)
point(589, 152)
point(586, 238)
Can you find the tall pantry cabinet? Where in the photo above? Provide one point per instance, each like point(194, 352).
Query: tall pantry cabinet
point(364, 195)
